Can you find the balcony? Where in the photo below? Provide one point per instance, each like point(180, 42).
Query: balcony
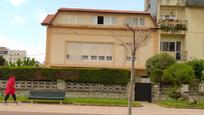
point(195, 3)
point(173, 26)
point(179, 56)
point(173, 2)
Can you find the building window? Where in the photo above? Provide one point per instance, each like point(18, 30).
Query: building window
point(169, 46)
point(93, 57)
point(142, 21)
point(178, 46)
point(100, 20)
point(89, 51)
point(136, 21)
point(173, 47)
point(109, 58)
point(109, 20)
point(171, 17)
point(106, 20)
point(178, 56)
point(101, 58)
point(84, 57)
point(71, 19)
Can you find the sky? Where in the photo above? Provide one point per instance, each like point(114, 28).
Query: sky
point(20, 20)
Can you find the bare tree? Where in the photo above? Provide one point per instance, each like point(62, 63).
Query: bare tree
point(139, 38)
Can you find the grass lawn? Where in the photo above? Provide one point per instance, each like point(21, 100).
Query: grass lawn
point(181, 104)
point(82, 101)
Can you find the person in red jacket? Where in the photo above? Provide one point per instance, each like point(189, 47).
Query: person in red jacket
point(10, 89)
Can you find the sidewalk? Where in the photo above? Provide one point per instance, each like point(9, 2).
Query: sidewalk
point(51, 109)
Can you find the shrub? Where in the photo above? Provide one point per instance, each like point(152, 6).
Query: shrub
point(198, 67)
point(156, 64)
point(178, 74)
point(2, 61)
point(173, 93)
point(83, 75)
point(26, 62)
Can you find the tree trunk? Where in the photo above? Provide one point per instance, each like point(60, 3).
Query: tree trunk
point(132, 83)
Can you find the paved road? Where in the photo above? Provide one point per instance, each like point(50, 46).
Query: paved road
point(46, 109)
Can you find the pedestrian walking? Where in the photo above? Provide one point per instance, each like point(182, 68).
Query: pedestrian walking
point(10, 89)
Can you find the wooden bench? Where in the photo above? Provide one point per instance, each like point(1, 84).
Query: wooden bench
point(47, 95)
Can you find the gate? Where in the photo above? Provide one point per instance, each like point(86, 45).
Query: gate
point(143, 92)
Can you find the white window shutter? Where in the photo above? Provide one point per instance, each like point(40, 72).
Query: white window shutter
point(114, 20)
point(94, 20)
point(107, 20)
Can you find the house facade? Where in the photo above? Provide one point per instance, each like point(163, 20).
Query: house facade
point(182, 27)
point(90, 38)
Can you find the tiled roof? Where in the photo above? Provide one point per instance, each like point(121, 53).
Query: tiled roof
point(48, 20)
point(103, 11)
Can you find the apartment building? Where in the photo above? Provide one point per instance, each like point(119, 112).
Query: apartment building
point(182, 27)
point(12, 55)
point(90, 38)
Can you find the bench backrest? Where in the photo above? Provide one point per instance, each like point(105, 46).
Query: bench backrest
point(47, 94)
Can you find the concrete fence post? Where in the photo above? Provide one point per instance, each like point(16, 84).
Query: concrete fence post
point(61, 84)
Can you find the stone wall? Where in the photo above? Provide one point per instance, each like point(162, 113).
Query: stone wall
point(155, 92)
point(160, 92)
point(71, 89)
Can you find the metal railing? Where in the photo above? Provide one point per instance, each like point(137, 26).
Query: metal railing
point(181, 57)
point(173, 2)
point(172, 25)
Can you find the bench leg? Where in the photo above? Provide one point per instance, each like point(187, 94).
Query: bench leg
point(31, 101)
point(60, 102)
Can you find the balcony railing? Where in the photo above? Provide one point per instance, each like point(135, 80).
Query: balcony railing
point(173, 26)
point(180, 56)
point(173, 2)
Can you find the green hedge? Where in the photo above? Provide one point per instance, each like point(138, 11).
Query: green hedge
point(82, 75)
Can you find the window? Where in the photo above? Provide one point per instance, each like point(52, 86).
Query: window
point(142, 21)
point(136, 21)
point(101, 58)
point(173, 17)
point(71, 19)
point(109, 58)
point(178, 46)
point(132, 21)
point(93, 57)
point(100, 20)
point(178, 56)
point(77, 51)
point(164, 46)
point(168, 46)
point(172, 46)
point(108, 20)
point(84, 57)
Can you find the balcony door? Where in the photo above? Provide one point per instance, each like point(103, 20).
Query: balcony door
point(173, 48)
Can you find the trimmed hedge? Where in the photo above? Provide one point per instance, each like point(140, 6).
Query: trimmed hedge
point(82, 75)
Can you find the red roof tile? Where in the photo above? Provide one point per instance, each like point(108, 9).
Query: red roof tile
point(48, 20)
point(103, 11)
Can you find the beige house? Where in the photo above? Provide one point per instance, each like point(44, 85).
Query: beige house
point(90, 38)
point(182, 27)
